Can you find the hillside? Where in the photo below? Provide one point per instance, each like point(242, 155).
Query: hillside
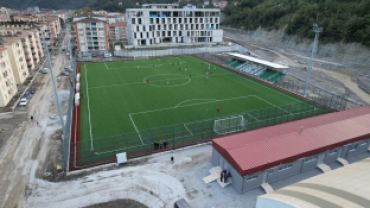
point(347, 20)
point(47, 4)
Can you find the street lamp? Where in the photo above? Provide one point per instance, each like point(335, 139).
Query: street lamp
point(317, 30)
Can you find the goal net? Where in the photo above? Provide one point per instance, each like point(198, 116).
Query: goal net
point(229, 125)
point(140, 58)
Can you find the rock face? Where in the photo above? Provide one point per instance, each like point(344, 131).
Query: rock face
point(341, 52)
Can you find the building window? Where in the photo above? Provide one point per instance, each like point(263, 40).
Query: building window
point(252, 178)
point(333, 152)
point(308, 160)
point(353, 147)
point(286, 167)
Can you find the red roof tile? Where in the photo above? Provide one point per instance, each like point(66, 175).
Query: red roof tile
point(261, 149)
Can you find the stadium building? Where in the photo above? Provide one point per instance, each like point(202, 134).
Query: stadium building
point(166, 23)
point(256, 158)
point(343, 187)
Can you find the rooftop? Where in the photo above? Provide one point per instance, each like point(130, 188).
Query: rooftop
point(262, 149)
point(259, 61)
point(348, 186)
point(118, 24)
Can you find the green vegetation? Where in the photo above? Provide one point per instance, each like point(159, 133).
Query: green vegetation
point(121, 98)
point(347, 20)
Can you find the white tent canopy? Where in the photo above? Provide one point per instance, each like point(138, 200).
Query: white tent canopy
point(259, 61)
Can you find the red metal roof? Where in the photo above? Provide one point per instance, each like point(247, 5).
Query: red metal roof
point(261, 149)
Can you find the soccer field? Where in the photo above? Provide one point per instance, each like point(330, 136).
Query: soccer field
point(127, 105)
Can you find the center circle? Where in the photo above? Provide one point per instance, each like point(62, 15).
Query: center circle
point(167, 80)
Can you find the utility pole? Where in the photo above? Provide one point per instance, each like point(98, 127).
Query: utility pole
point(317, 30)
point(54, 85)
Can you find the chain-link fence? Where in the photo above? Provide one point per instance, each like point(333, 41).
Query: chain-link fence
point(313, 93)
point(67, 126)
point(96, 151)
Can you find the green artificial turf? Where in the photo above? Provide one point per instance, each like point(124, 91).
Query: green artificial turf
point(117, 99)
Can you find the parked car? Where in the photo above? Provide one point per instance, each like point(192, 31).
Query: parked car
point(63, 49)
point(45, 71)
point(106, 55)
point(53, 57)
point(27, 95)
point(23, 102)
point(32, 90)
point(67, 54)
point(64, 73)
point(56, 53)
point(68, 66)
point(94, 55)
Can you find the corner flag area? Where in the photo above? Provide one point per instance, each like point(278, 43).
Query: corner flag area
point(137, 106)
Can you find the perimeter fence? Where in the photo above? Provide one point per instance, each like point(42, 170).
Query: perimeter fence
point(67, 125)
point(92, 152)
point(314, 93)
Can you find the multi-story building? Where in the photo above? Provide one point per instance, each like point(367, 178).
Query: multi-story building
point(8, 86)
point(166, 23)
point(32, 48)
point(117, 31)
point(17, 58)
point(91, 34)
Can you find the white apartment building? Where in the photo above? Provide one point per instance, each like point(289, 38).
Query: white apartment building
point(166, 23)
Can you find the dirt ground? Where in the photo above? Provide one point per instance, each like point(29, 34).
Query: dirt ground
point(23, 143)
point(333, 76)
point(126, 203)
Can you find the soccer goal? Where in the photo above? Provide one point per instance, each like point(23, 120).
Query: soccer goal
point(229, 125)
point(140, 58)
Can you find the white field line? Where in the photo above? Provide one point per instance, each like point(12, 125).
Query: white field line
point(253, 117)
point(130, 147)
point(181, 60)
point(88, 108)
point(106, 66)
point(136, 128)
point(193, 100)
point(275, 90)
point(188, 130)
point(161, 109)
point(274, 105)
point(143, 82)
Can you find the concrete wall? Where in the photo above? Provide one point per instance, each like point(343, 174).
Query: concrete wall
point(243, 184)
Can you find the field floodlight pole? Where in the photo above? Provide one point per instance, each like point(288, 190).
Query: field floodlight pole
point(317, 30)
point(54, 85)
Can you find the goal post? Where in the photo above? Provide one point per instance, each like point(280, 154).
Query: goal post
point(229, 125)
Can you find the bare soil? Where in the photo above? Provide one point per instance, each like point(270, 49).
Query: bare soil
point(126, 203)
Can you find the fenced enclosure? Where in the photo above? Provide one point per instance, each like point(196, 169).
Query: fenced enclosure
point(314, 93)
point(149, 141)
point(67, 126)
point(179, 51)
point(145, 142)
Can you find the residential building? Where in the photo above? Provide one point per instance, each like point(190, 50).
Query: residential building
point(4, 10)
point(17, 58)
point(33, 52)
point(91, 34)
point(166, 23)
point(117, 31)
point(222, 4)
point(257, 158)
point(8, 86)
